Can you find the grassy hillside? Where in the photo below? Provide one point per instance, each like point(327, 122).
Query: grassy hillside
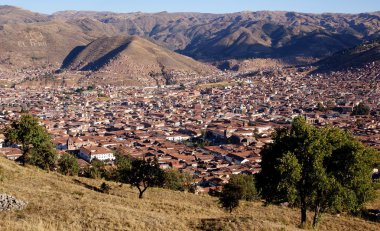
point(58, 202)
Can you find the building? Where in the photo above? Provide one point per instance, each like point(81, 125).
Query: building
point(11, 153)
point(90, 153)
point(2, 139)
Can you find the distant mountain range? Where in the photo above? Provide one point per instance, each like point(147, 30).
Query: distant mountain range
point(30, 39)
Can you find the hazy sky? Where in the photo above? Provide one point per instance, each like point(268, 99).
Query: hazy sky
point(212, 6)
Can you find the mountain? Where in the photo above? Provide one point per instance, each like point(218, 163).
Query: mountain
point(135, 60)
point(35, 45)
point(358, 56)
point(245, 34)
point(57, 202)
point(11, 14)
point(211, 37)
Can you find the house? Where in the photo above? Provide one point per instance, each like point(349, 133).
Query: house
point(237, 159)
point(177, 137)
point(89, 153)
point(2, 139)
point(11, 153)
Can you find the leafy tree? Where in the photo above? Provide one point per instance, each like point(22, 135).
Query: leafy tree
point(43, 156)
point(230, 196)
point(324, 170)
point(96, 170)
point(68, 165)
point(35, 142)
point(247, 184)
point(122, 163)
point(143, 174)
point(176, 180)
point(361, 109)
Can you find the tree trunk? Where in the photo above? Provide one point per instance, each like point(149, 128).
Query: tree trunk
point(23, 157)
point(303, 212)
point(317, 214)
point(141, 192)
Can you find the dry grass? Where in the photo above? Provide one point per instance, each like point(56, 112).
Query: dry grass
point(58, 202)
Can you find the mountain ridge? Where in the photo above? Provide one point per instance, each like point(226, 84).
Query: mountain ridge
point(134, 58)
point(215, 37)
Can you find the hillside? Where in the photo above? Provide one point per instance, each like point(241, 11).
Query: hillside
point(212, 37)
point(57, 202)
point(11, 14)
point(357, 56)
point(134, 59)
point(239, 35)
point(31, 40)
point(37, 45)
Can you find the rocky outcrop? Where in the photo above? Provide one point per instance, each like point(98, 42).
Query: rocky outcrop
point(10, 203)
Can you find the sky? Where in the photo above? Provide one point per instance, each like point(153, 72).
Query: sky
point(209, 6)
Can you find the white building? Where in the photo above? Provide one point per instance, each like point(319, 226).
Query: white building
point(2, 138)
point(177, 137)
point(89, 153)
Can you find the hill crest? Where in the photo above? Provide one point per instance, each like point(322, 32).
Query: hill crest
point(136, 59)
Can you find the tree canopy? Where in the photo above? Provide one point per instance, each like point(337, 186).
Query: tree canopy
point(68, 165)
point(247, 184)
point(35, 142)
point(176, 180)
point(361, 109)
point(143, 174)
point(230, 196)
point(324, 170)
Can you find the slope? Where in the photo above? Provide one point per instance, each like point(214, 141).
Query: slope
point(358, 56)
point(136, 59)
point(214, 37)
point(35, 45)
point(11, 14)
point(57, 202)
point(244, 34)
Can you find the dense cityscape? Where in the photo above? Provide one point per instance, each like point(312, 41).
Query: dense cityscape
point(255, 120)
point(210, 131)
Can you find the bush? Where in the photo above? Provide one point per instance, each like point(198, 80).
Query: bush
point(361, 109)
point(176, 180)
point(105, 188)
point(68, 165)
point(247, 184)
point(96, 170)
point(230, 196)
